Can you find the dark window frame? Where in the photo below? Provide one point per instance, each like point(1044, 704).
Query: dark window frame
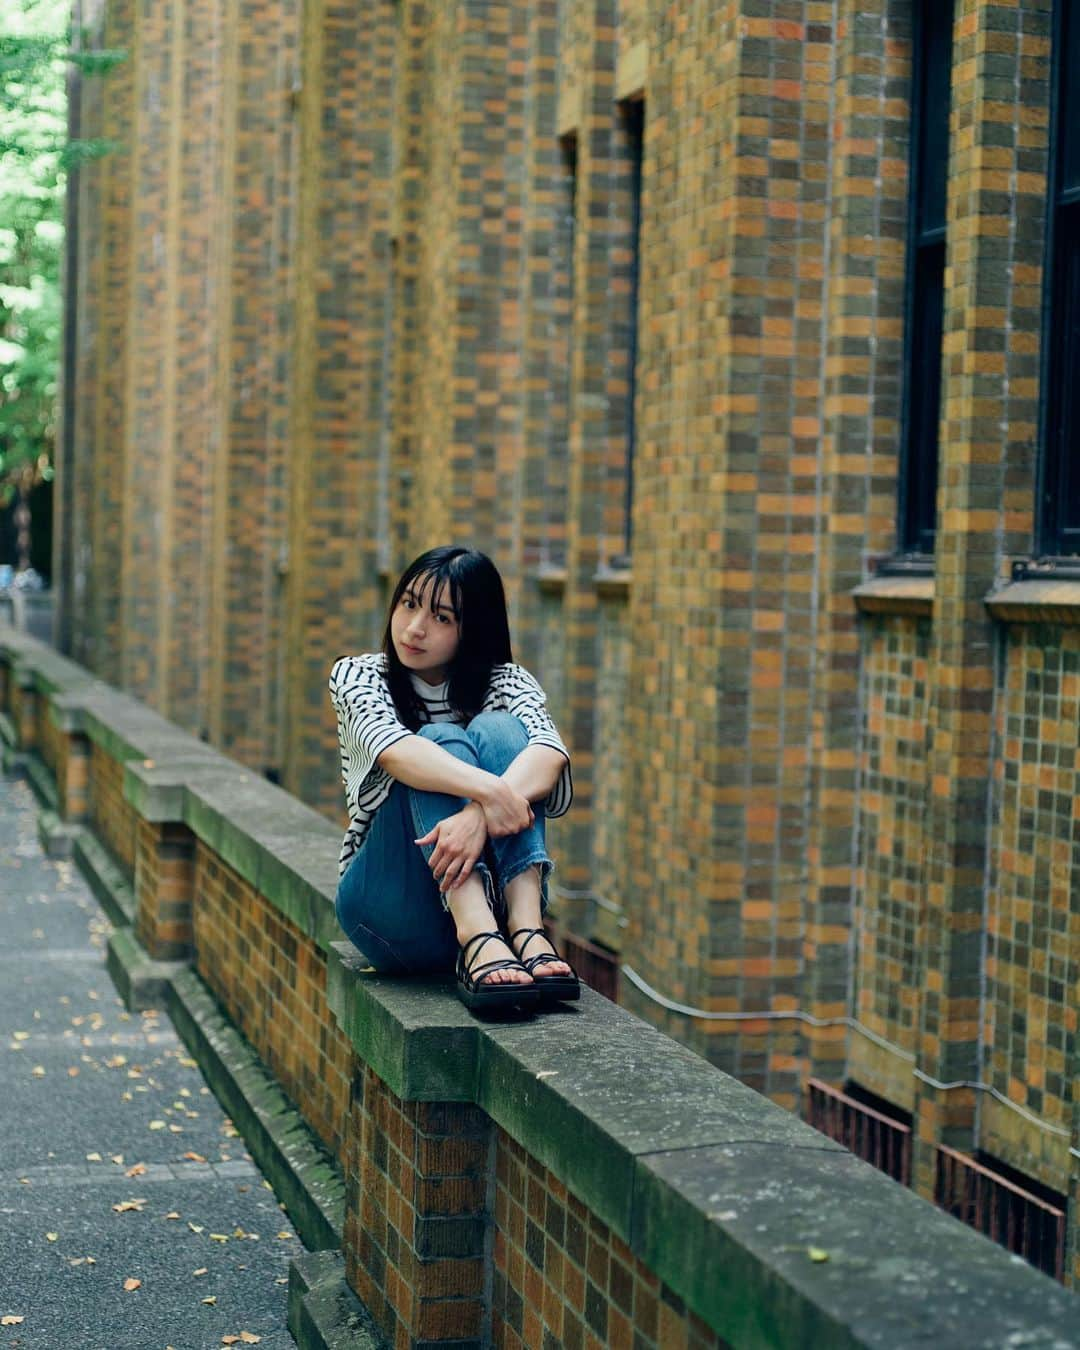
point(632, 113)
point(1057, 484)
point(924, 290)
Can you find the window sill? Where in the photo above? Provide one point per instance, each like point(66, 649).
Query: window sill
point(612, 583)
point(550, 579)
point(906, 593)
point(1041, 600)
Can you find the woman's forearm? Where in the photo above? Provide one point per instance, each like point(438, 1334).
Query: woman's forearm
point(420, 763)
point(535, 771)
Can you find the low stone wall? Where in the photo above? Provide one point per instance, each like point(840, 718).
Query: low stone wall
point(577, 1179)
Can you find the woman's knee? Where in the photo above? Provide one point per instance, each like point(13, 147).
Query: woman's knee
point(451, 737)
point(499, 730)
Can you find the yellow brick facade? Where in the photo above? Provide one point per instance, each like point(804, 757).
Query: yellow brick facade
point(358, 281)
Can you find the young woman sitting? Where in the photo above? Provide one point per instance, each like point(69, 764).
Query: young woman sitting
point(451, 764)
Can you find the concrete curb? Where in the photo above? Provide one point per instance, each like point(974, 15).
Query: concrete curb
point(324, 1313)
point(57, 837)
point(106, 878)
point(41, 780)
point(304, 1176)
point(140, 981)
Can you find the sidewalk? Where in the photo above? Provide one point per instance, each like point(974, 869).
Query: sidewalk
point(117, 1165)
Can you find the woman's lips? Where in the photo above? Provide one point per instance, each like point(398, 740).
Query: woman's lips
point(413, 651)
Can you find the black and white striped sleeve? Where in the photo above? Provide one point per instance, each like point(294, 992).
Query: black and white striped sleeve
point(519, 693)
point(368, 722)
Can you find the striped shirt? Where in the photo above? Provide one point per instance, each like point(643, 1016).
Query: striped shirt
point(368, 724)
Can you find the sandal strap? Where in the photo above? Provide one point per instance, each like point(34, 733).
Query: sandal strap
point(541, 958)
point(483, 938)
point(476, 975)
point(531, 933)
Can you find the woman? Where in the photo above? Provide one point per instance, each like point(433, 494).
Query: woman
point(451, 764)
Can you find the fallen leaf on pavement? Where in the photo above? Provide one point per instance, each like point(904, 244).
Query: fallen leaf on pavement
point(125, 1205)
point(93, 1157)
point(172, 1214)
point(212, 1299)
point(130, 1285)
point(219, 1237)
point(195, 1227)
point(201, 1271)
point(136, 1171)
point(10, 1320)
point(817, 1254)
point(193, 1157)
point(38, 1071)
point(157, 1125)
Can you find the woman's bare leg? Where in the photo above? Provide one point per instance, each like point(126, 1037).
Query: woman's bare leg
point(471, 913)
point(523, 911)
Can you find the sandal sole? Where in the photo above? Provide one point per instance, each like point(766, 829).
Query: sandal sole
point(498, 1001)
point(552, 991)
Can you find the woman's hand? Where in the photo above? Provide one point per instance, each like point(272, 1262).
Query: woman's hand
point(459, 841)
point(505, 810)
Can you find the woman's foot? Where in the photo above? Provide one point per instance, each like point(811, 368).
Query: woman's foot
point(533, 944)
point(555, 979)
point(472, 919)
point(523, 915)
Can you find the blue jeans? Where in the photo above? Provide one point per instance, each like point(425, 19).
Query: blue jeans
point(388, 902)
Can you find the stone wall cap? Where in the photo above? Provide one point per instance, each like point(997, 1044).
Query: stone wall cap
point(282, 848)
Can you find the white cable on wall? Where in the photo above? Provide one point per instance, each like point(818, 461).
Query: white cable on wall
point(796, 1015)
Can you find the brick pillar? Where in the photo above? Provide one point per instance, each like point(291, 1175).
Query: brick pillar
point(24, 713)
point(164, 885)
point(417, 1176)
point(989, 404)
point(73, 775)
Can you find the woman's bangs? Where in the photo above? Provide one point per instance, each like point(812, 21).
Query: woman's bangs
point(442, 586)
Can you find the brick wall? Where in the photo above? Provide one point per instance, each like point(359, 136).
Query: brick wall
point(562, 1277)
point(111, 816)
point(417, 1177)
point(271, 980)
point(1030, 1017)
point(164, 881)
point(891, 828)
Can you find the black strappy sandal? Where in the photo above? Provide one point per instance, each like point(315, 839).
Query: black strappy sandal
point(480, 996)
point(553, 988)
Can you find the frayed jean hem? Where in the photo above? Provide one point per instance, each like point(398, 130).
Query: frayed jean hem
point(538, 859)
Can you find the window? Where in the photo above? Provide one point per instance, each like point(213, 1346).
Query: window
point(633, 119)
point(931, 80)
point(1058, 529)
point(564, 295)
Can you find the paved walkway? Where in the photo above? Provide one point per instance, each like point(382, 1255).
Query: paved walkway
point(131, 1217)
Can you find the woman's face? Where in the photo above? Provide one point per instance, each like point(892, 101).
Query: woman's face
point(425, 630)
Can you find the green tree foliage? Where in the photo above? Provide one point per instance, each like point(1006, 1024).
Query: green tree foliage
point(35, 156)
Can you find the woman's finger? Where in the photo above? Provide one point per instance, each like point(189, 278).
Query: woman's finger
point(431, 835)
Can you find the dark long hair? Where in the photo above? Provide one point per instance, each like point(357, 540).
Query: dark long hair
point(469, 582)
